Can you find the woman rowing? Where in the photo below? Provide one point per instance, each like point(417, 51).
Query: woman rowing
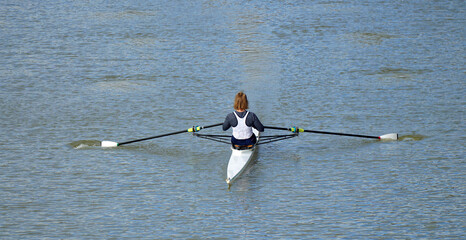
point(242, 122)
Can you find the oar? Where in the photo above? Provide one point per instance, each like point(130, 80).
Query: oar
point(390, 136)
point(193, 129)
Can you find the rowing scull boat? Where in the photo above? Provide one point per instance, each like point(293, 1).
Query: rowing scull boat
point(239, 160)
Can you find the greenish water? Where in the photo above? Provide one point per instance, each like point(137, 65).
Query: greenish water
point(76, 73)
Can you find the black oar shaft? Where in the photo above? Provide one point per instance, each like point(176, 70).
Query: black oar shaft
point(164, 135)
point(342, 134)
point(148, 138)
point(323, 132)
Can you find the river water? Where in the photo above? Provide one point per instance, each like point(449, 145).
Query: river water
point(74, 73)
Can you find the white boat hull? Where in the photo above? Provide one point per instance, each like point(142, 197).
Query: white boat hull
point(239, 161)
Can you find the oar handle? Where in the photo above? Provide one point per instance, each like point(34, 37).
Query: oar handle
point(213, 125)
point(277, 128)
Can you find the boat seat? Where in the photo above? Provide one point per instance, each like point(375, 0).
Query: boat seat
point(242, 147)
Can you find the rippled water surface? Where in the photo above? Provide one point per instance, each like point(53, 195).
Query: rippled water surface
point(74, 73)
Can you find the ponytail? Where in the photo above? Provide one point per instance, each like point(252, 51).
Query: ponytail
point(241, 101)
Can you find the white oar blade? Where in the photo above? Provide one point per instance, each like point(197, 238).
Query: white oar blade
point(390, 136)
point(109, 144)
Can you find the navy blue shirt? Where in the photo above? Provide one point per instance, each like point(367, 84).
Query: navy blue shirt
point(251, 121)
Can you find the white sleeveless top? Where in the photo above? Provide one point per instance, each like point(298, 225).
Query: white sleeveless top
point(242, 131)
